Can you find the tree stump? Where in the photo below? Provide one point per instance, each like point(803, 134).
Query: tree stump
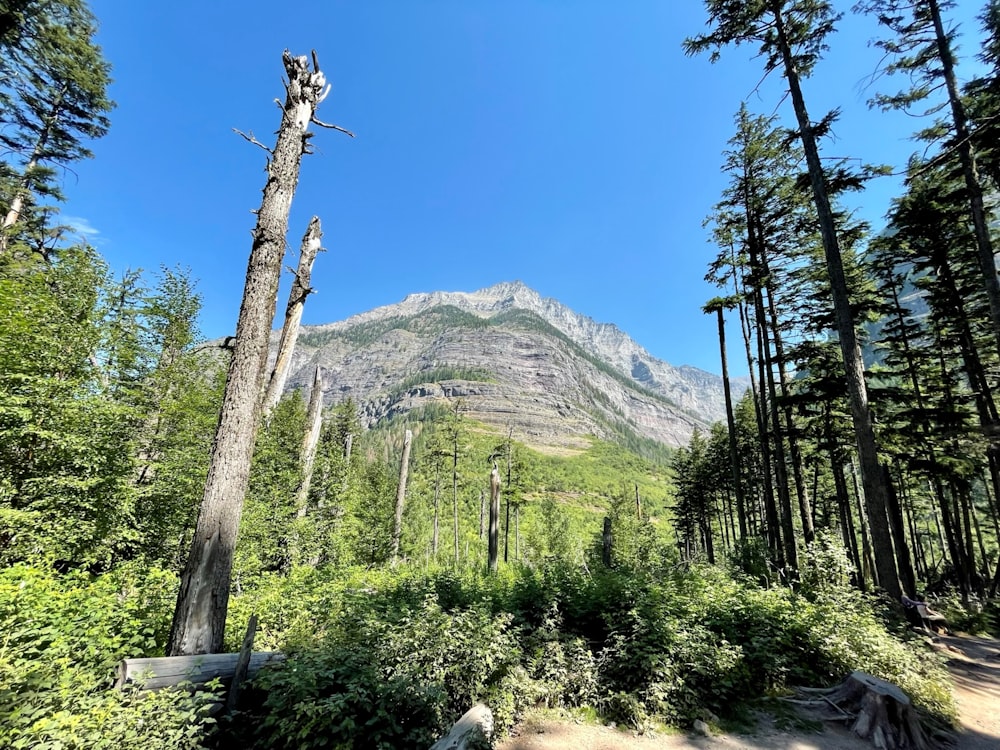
point(875, 710)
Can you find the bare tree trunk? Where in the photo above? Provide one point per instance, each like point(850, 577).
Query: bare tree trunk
point(314, 422)
point(606, 543)
point(871, 471)
point(404, 468)
point(494, 540)
point(454, 487)
point(203, 600)
point(482, 514)
point(293, 314)
point(435, 533)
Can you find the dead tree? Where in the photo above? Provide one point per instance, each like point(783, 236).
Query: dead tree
point(293, 314)
point(494, 535)
point(404, 468)
point(314, 425)
point(203, 600)
point(606, 542)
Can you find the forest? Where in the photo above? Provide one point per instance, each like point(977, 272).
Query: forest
point(159, 491)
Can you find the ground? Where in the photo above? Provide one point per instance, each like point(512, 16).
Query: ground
point(974, 664)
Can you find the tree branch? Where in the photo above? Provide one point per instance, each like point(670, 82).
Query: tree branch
point(322, 124)
point(252, 140)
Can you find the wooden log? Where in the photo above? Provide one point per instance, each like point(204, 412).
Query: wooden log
point(167, 671)
point(470, 732)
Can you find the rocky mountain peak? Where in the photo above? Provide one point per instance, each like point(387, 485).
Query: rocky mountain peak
point(582, 374)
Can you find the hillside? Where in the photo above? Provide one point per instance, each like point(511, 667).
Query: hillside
point(515, 359)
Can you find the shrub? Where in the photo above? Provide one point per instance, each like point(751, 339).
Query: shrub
point(63, 637)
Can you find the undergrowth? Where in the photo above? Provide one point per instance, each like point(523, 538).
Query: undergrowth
point(390, 659)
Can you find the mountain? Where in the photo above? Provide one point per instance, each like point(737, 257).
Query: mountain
point(515, 359)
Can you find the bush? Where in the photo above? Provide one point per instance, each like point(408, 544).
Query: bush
point(392, 658)
point(63, 637)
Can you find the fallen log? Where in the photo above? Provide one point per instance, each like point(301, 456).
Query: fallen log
point(167, 671)
point(874, 709)
point(471, 732)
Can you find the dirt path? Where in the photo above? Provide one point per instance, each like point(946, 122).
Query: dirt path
point(973, 662)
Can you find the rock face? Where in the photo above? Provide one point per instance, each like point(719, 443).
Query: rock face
point(515, 359)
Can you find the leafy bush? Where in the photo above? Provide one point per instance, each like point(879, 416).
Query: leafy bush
point(63, 637)
point(391, 658)
point(388, 677)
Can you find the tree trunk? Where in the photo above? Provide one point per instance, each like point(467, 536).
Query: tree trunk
point(871, 472)
point(454, 487)
point(899, 535)
point(314, 425)
point(404, 469)
point(606, 542)
point(731, 423)
point(967, 158)
point(293, 315)
point(482, 514)
point(200, 616)
point(13, 215)
point(494, 535)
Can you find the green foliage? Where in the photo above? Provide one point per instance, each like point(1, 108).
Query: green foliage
point(54, 99)
point(642, 649)
point(63, 637)
point(439, 374)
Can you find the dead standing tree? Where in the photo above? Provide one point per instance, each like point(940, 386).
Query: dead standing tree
point(404, 469)
point(203, 599)
point(293, 314)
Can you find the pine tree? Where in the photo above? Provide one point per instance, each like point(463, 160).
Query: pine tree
point(53, 101)
point(791, 37)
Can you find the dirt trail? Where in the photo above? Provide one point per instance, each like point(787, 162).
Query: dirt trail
point(974, 664)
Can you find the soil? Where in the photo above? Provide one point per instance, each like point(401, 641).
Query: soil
point(974, 663)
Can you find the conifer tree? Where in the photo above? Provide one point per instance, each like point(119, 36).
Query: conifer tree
point(791, 35)
point(53, 100)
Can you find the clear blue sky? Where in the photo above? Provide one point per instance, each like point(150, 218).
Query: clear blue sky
point(568, 144)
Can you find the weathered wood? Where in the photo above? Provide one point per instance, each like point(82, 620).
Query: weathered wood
point(471, 732)
point(200, 615)
point(606, 542)
point(404, 468)
point(167, 671)
point(310, 439)
point(242, 664)
point(876, 710)
point(493, 543)
point(293, 314)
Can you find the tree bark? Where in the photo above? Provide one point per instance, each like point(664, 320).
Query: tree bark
point(731, 424)
point(202, 602)
point(314, 425)
point(606, 542)
point(494, 533)
point(871, 472)
point(967, 158)
point(293, 315)
point(404, 468)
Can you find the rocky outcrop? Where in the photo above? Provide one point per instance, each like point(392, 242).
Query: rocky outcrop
point(515, 359)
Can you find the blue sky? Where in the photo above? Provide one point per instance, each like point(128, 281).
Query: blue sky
point(566, 143)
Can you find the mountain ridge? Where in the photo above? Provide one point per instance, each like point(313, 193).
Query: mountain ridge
point(558, 374)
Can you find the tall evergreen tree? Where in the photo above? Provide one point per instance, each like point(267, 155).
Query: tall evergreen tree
point(791, 35)
point(52, 102)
